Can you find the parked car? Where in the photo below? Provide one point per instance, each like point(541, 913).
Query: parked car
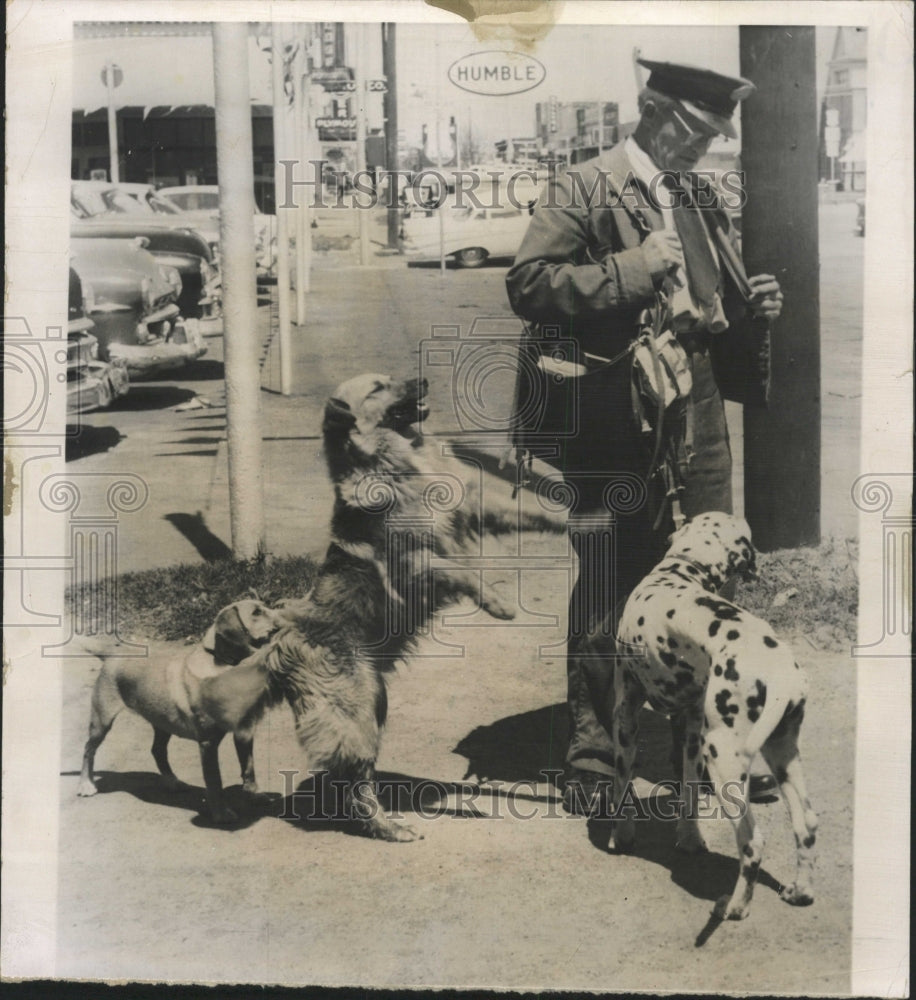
point(101, 210)
point(471, 235)
point(92, 384)
point(199, 203)
point(132, 300)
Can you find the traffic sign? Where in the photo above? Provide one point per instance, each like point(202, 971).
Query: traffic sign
point(116, 75)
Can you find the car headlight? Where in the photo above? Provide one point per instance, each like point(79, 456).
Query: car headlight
point(146, 292)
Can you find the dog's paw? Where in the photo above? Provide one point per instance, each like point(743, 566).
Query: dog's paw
point(395, 833)
point(690, 841)
point(796, 895)
point(86, 788)
point(724, 911)
point(404, 834)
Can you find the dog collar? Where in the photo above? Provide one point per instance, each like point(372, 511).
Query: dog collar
point(705, 572)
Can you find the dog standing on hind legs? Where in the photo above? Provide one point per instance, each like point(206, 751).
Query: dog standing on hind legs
point(393, 561)
point(735, 688)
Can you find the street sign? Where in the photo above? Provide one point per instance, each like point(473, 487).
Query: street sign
point(377, 86)
point(335, 123)
point(340, 86)
point(116, 76)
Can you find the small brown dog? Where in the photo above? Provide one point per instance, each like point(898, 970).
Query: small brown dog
point(200, 696)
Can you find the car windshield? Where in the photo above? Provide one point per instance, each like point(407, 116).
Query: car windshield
point(164, 206)
point(195, 201)
point(121, 201)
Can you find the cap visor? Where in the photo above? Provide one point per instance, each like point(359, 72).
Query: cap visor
point(720, 123)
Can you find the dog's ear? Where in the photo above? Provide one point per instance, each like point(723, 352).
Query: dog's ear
point(338, 415)
point(209, 640)
point(253, 594)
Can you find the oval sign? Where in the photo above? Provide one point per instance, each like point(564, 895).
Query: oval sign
point(495, 73)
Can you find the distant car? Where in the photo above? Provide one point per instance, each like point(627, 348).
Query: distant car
point(92, 384)
point(860, 217)
point(471, 235)
point(132, 301)
point(199, 203)
point(104, 211)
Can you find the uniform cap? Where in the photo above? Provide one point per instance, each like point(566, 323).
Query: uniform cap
point(711, 97)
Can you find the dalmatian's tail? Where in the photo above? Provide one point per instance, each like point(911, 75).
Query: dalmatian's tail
point(784, 707)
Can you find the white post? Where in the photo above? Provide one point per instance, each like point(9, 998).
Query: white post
point(308, 151)
point(301, 126)
point(361, 100)
point(441, 180)
point(115, 169)
point(240, 312)
point(280, 153)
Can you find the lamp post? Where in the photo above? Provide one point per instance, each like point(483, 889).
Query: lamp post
point(112, 77)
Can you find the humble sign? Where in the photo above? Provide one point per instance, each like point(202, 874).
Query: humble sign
point(496, 73)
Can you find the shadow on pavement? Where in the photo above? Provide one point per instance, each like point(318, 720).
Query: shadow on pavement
point(149, 786)
point(210, 547)
point(203, 370)
point(522, 747)
point(151, 397)
point(90, 441)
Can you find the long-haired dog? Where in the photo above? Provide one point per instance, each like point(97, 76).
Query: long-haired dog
point(403, 514)
point(201, 695)
point(737, 689)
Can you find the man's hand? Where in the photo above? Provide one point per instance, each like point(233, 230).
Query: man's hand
point(663, 252)
point(766, 296)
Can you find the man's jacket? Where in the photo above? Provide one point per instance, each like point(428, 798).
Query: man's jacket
point(581, 270)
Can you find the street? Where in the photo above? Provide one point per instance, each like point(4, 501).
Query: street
point(505, 890)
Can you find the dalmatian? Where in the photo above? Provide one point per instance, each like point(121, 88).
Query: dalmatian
point(729, 683)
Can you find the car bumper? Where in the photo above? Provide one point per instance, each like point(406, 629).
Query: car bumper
point(183, 344)
point(97, 385)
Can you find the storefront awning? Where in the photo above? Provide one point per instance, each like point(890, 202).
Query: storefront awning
point(157, 72)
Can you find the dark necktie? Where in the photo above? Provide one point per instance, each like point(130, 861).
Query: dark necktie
point(702, 270)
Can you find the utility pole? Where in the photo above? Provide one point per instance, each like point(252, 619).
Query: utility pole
point(779, 146)
point(389, 69)
point(234, 164)
point(440, 211)
point(300, 83)
point(360, 109)
point(111, 74)
point(281, 151)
